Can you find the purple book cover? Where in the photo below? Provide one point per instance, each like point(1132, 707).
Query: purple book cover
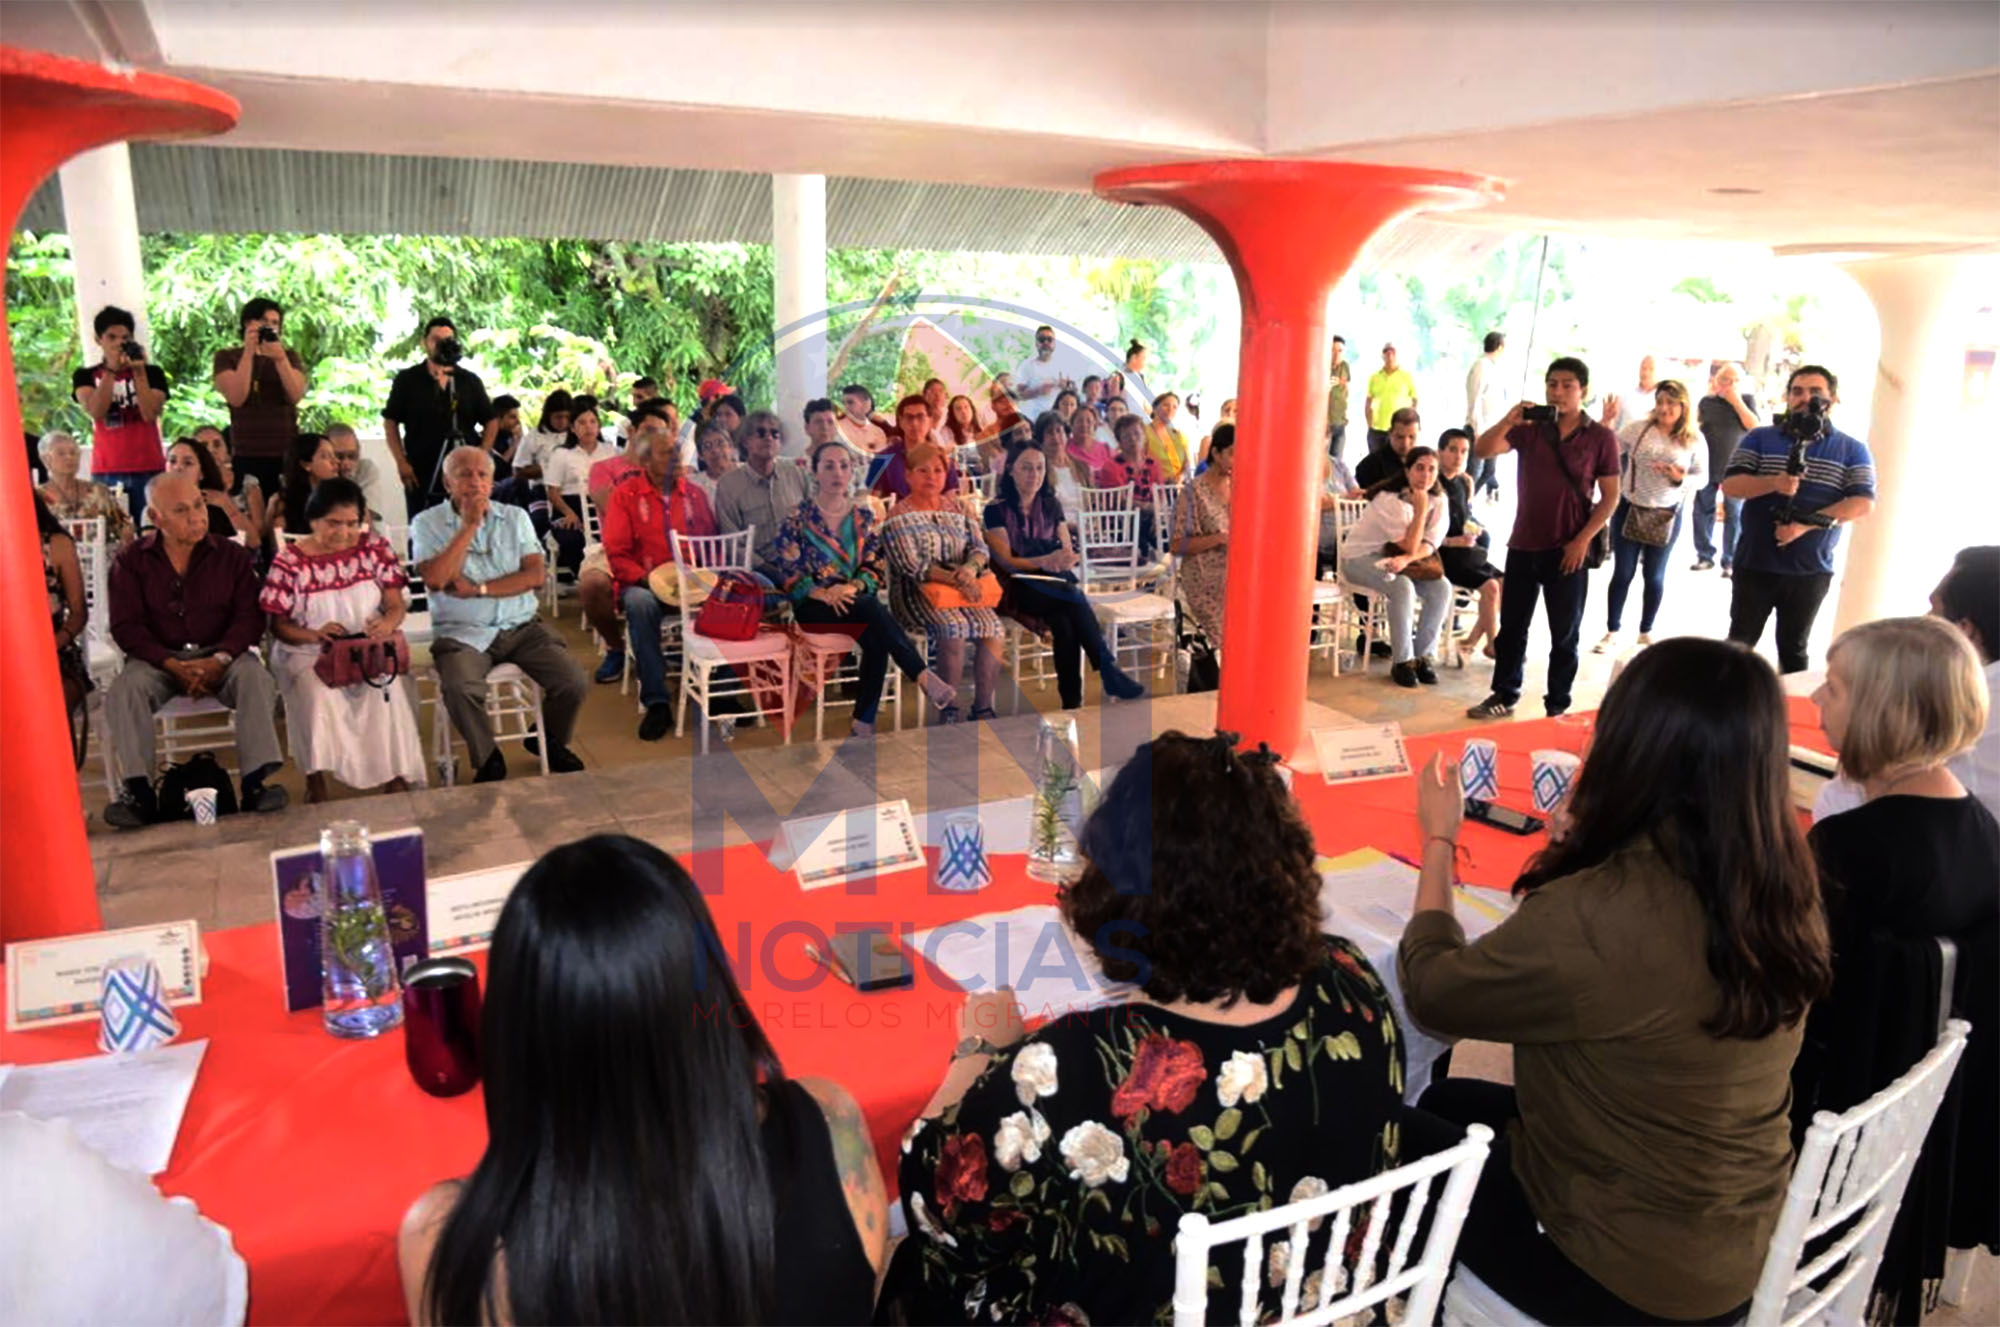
point(399, 866)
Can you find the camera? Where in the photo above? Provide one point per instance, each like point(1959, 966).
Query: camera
point(448, 351)
point(1538, 414)
point(267, 334)
point(134, 352)
point(1804, 426)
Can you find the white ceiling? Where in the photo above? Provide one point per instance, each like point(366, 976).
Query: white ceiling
point(1850, 126)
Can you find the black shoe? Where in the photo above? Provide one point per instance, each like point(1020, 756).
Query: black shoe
point(494, 770)
point(1425, 673)
point(1554, 711)
point(1380, 649)
point(263, 799)
point(1119, 684)
point(1404, 675)
point(532, 744)
point(1491, 708)
point(659, 721)
point(562, 760)
point(135, 808)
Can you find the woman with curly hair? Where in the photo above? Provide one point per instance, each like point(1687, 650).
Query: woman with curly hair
point(1257, 1062)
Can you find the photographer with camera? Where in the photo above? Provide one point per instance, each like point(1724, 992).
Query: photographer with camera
point(1800, 479)
point(1564, 455)
point(434, 406)
point(261, 380)
point(124, 395)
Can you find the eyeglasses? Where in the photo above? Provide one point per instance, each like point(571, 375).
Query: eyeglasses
point(767, 433)
point(1045, 340)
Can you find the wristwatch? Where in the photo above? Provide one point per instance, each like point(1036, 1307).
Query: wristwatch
point(223, 657)
point(972, 1046)
point(482, 589)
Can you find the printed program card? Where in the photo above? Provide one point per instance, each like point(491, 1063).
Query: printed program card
point(1353, 755)
point(50, 982)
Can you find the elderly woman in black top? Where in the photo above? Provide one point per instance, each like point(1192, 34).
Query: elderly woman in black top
point(1259, 1062)
point(1029, 538)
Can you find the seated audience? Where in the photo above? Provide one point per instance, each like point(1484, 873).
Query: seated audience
point(1404, 525)
point(1030, 541)
point(1227, 415)
point(1463, 550)
point(504, 436)
point(857, 422)
point(1168, 445)
point(1063, 478)
point(1045, 1180)
point(244, 488)
point(1653, 984)
point(1130, 464)
point(822, 422)
point(341, 580)
point(184, 610)
point(1087, 450)
point(71, 497)
point(644, 1162)
point(1387, 462)
point(930, 539)
point(913, 428)
point(828, 561)
point(935, 394)
point(762, 492)
point(1904, 700)
point(962, 427)
point(715, 451)
point(69, 611)
point(566, 478)
point(351, 463)
point(1200, 537)
point(187, 457)
point(310, 461)
point(483, 565)
point(1000, 395)
point(551, 431)
point(641, 515)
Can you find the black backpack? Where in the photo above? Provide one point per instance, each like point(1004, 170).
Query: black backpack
point(198, 771)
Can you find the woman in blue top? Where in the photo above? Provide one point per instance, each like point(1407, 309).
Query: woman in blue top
point(1029, 538)
point(829, 561)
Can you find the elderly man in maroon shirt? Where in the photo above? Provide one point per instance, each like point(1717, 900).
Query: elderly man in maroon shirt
point(184, 610)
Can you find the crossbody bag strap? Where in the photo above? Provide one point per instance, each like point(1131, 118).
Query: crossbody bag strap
point(1582, 489)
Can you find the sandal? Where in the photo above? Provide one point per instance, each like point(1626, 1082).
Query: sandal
point(981, 713)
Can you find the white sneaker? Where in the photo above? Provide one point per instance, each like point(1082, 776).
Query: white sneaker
point(1645, 638)
point(1604, 646)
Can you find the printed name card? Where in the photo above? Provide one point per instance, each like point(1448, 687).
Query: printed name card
point(1354, 755)
point(465, 908)
point(867, 841)
point(60, 980)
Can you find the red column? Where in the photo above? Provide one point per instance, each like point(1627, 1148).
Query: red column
point(50, 110)
point(1289, 230)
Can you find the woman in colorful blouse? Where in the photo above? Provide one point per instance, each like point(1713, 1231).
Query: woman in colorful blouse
point(1258, 1062)
point(340, 580)
point(74, 498)
point(1031, 548)
point(1131, 465)
point(930, 539)
point(829, 562)
point(1168, 445)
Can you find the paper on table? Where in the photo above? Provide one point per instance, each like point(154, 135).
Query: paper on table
point(1368, 894)
point(127, 1107)
point(1031, 951)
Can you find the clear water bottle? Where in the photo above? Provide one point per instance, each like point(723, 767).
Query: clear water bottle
point(1056, 813)
point(362, 997)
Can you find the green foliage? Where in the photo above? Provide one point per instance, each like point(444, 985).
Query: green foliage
point(41, 317)
point(1701, 288)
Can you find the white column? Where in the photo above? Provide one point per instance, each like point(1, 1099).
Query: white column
point(103, 223)
point(798, 262)
point(1928, 458)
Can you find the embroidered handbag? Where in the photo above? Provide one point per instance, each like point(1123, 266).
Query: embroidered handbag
point(733, 608)
point(356, 660)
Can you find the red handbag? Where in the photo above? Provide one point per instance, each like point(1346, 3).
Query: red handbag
point(732, 610)
point(358, 659)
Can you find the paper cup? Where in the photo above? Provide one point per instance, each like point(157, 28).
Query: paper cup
point(962, 865)
point(1554, 772)
point(1479, 769)
point(134, 1015)
point(202, 802)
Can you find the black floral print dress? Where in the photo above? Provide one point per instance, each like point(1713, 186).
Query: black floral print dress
point(1051, 1192)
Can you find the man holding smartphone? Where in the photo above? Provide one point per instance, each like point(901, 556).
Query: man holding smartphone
point(124, 395)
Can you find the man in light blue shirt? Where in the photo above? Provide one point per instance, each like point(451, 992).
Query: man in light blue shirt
point(483, 566)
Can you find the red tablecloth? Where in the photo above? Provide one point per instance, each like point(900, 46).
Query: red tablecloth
point(309, 1149)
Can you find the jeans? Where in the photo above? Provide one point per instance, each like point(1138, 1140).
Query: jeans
point(1704, 524)
point(1486, 475)
point(881, 638)
point(1336, 438)
point(133, 482)
point(1377, 440)
point(1627, 554)
point(1073, 624)
point(1530, 575)
point(1434, 596)
point(1754, 594)
point(643, 615)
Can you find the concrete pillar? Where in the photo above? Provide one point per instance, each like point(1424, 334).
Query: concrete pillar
point(103, 223)
point(1928, 501)
point(798, 263)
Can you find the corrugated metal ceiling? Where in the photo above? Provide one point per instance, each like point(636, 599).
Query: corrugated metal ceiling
point(200, 189)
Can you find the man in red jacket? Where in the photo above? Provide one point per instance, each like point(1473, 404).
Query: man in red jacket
point(638, 513)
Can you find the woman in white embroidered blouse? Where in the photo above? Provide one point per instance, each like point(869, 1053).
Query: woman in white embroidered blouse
point(1659, 455)
point(1409, 512)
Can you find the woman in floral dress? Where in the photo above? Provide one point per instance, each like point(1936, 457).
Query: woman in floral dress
point(1259, 1063)
point(1201, 535)
point(931, 538)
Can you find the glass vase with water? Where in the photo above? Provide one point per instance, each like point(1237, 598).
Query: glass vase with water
point(361, 996)
point(1056, 812)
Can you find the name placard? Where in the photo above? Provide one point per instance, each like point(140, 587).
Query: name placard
point(60, 980)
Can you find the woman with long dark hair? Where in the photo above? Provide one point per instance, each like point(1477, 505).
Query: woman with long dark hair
point(1654, 983)
point(309, 461)
point(188, 457)
point(1403, 525)
point(647, 1160)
